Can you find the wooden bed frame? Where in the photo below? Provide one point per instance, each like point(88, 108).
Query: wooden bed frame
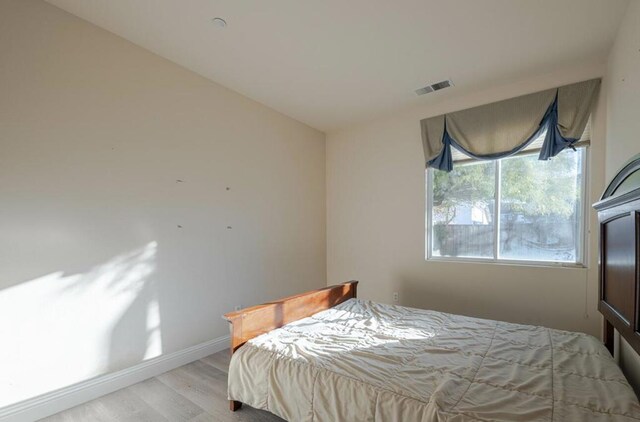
point(251, 322)
point(619, 260)
point(619, 268)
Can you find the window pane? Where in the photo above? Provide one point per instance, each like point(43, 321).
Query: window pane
point(540, 207)
point(463, 211)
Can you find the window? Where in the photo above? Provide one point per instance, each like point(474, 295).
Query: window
point(516, 209)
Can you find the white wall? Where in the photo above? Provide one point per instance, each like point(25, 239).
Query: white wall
point(106, 259)
point(376, 223)
point(623, 127)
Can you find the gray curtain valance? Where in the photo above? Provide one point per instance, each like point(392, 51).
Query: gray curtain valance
point(503, 128)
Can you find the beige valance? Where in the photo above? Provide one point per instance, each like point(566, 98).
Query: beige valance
point(505, 127)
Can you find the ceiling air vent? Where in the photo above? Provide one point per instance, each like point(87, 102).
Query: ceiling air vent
point(434, 87)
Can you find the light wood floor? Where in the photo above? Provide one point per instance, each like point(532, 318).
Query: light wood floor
point(196, 392)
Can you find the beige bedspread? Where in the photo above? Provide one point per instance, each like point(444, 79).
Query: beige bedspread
point(363, 361)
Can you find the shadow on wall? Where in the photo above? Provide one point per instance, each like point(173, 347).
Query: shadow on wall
point(63, 329)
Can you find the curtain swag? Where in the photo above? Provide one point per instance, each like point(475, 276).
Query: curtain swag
point(506, 127)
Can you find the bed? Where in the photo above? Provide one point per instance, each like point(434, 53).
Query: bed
point(325, 355)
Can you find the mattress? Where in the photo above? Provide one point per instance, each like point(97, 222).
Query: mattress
point(364, 361)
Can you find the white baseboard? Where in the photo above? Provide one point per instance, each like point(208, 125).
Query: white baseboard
point(58, 400)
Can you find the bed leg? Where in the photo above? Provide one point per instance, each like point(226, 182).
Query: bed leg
point(234, 405)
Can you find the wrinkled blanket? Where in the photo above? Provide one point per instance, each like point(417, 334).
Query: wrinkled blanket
point(364, 361)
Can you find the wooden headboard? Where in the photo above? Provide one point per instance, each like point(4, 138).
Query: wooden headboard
point(619, 261)
point(251, 322)
point(248, 323)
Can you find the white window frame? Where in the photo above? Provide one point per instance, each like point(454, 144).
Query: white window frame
point(582, 246)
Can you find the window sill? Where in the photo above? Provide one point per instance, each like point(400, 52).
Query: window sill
point(508, 262)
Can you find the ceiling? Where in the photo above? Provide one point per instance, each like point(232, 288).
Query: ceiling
point(332, 63)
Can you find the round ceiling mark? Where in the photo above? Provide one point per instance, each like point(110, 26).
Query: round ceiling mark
point(219, 22)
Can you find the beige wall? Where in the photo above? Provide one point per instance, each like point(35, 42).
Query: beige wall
point(376, 223)
point(107, 259)
point(623, 95)
point(623, 127)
